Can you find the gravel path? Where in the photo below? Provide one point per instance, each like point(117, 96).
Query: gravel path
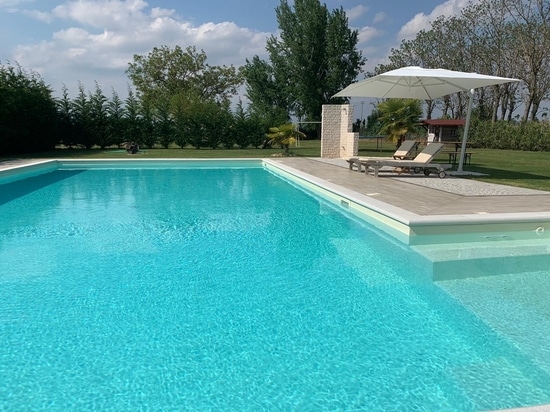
point(468, 187)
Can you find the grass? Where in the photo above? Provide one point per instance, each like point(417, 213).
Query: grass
point(308, 148)
point(507, 167)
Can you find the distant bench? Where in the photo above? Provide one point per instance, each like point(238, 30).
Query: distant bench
point(454, 156)
point(452, 148)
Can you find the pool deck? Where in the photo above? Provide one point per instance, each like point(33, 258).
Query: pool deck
point(427, 196)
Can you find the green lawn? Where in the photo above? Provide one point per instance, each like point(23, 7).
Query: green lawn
point(310, 148)
point(514, 168)
point(507, 167)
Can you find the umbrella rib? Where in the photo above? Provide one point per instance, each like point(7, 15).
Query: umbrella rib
point(391, 83)
point(424, 88)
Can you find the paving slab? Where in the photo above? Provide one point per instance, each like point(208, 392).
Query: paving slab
point(427, 196)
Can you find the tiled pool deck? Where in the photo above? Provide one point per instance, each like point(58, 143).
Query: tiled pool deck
point(428, 196)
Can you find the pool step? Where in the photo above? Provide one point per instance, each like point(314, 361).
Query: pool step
point(479, 379)
point(516, 307)
point(466, 260)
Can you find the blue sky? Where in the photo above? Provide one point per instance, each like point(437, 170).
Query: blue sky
point(93, 41)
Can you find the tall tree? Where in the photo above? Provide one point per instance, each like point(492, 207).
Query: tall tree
point(99, 118)
point(314, 57)
point(164, 125)
point(132, 119)
point(66, 125)
point(81, 109)
point(167, 72)
point(28, 113)
point(116, 112)
point(268, 86)
point(531, 33)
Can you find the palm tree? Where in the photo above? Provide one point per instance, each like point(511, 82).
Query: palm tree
point(284, 135)
point(399, 117)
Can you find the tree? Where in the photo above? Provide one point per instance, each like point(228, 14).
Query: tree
point(314, 57)
point(284, 135)
point(241, 133)
point(508, 38)
point(398, 117)
point(531, 34)
point(99, 118)
point(28, 113)
point(132, 119)
point(222, 125)
point(66, 123)
point(180, 125)
point(164, 125)
point(166, 72)
point(147, 131)
point(115, 124)
point(269, 89)
point(248, 127)
point(81, 109)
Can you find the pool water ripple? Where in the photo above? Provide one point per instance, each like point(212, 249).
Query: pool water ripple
point(231, 290)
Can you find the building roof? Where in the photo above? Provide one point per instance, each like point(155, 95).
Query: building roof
point(444, 122)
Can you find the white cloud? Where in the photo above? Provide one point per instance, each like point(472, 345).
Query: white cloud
point(370, 47)
point(422, 21)
point(379, 17)
point(118, 14)
point(100, 38)
point(356, 12)
point(38, 15)
point(367, 34)
point(13, 3)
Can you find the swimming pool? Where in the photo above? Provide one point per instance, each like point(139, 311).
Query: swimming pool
point(222, 286)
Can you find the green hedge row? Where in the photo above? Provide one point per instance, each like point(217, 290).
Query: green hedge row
point(530, 136)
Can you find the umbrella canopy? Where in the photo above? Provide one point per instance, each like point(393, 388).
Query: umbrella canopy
point(418, 83)
point(425, 84)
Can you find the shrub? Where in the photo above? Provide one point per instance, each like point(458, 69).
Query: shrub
point(528, 136)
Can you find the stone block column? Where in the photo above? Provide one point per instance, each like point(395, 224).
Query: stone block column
point(337, 138)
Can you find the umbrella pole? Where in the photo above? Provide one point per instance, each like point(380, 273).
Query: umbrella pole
point(466, 129)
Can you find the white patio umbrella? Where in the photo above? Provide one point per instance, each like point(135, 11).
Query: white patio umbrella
point(425, 84)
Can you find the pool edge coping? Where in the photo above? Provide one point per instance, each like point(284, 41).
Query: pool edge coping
point(410, 218)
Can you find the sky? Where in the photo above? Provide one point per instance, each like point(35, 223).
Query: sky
point(91, 41)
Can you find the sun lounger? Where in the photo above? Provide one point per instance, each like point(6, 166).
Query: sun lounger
point(421, 163)
point(403, 152)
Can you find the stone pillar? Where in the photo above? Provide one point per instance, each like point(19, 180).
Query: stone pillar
point(337, 138)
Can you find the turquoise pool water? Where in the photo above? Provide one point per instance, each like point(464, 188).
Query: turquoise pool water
point(229, 289)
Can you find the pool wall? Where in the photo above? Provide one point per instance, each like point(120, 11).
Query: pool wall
point(416, 229)
point(159, 163)
point(388, 218)
point(462, 246)
point(23, 171)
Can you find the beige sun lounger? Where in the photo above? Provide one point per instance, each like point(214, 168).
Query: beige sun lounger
point(421, 163)
point(403, 152)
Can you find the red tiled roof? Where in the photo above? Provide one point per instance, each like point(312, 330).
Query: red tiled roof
point(444, 122)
